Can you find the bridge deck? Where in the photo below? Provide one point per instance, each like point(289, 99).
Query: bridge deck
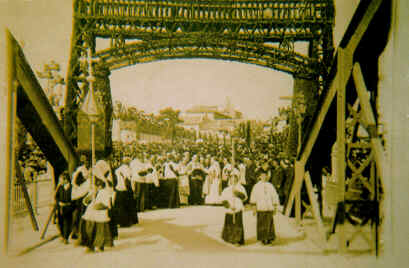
point(297, 19)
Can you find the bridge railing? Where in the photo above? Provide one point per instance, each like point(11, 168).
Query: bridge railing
point(215, 10)
point(41, 195)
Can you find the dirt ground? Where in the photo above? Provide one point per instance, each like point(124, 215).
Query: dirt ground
point(190, 237)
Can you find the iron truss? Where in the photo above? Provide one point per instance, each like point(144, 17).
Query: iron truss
point(207, 47)
point(260, 32)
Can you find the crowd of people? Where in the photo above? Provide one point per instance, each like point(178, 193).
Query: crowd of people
point(93, 202)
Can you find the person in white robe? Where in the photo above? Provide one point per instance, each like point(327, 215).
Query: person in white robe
point(196, 177)
point(226, 173)
point(139, 172)
point(96, 231)
point(267, 202)
point(212, 184)
point(169, 186)
point(184, 189)
point(124, 194)
point(232, 198)
point(81, 185)
point(151, 181)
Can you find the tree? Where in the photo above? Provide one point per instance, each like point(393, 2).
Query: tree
point(171, 114)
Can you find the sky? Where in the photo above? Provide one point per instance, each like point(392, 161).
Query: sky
point(43, 28)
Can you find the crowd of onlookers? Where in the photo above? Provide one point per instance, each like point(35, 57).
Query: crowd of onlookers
point(93, 202)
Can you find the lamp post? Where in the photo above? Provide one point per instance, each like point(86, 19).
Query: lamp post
point(89, 107)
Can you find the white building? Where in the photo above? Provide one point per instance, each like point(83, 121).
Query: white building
point(211, 119)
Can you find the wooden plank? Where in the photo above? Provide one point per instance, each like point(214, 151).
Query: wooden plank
point(10, 117)
point(373, 196)
point(39, 100)
point(318, 122)
point(50, 216)
point(314, 206)
point(343, 70)
point(363, 25)
point(21, 181)
point(47, 116)
point(298, 178)
point(298, 204)
point(369, 118)
point(351, 47)
point(31, 248)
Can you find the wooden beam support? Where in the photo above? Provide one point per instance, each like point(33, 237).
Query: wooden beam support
point(369, 118)
point(298, 204)
point(22, 182)
point(363, 25)
point(315, 207)
point(351, 47)
point(50, 216)
point(298, 179)
point(35, 93)
point(9, 137)
point(344, 68)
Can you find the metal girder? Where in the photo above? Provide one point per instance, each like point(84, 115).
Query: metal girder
point(236, 30)
point(269, 20)
point(248, 52)
point(232, 11)
point(242, 32)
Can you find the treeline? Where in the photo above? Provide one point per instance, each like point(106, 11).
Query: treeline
point(164, 124)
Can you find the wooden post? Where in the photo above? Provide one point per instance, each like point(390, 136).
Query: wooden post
point(298, 206)
point(50, 216)
point(369, 118)
point(35, 195)
point(298, 179)
point(21, 181)
point(341, 165)
point(315, 207)
point(93, 158)
point(233, 150)
point(11, 103)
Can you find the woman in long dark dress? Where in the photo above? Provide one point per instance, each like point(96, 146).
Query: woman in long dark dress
point(197, 176)
point(124, 195)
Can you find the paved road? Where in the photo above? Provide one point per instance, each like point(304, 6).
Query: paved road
point(190, 237)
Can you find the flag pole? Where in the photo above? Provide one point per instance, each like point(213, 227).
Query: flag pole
point(90, 108)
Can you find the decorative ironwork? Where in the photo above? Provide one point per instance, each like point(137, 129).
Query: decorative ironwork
point(259, 32)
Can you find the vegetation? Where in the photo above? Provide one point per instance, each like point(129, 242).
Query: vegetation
point(164, 124)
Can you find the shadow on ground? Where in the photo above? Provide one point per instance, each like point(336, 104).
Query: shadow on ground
point(187, 238)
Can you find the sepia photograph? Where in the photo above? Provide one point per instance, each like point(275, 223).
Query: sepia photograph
point(204, 133)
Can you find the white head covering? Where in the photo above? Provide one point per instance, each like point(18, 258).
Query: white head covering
point(102, 171)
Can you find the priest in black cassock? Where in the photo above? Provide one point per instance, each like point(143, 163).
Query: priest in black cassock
point(64, 206)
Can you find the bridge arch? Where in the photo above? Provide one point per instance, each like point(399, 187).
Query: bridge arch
point(257, 32)
point(264, 55)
